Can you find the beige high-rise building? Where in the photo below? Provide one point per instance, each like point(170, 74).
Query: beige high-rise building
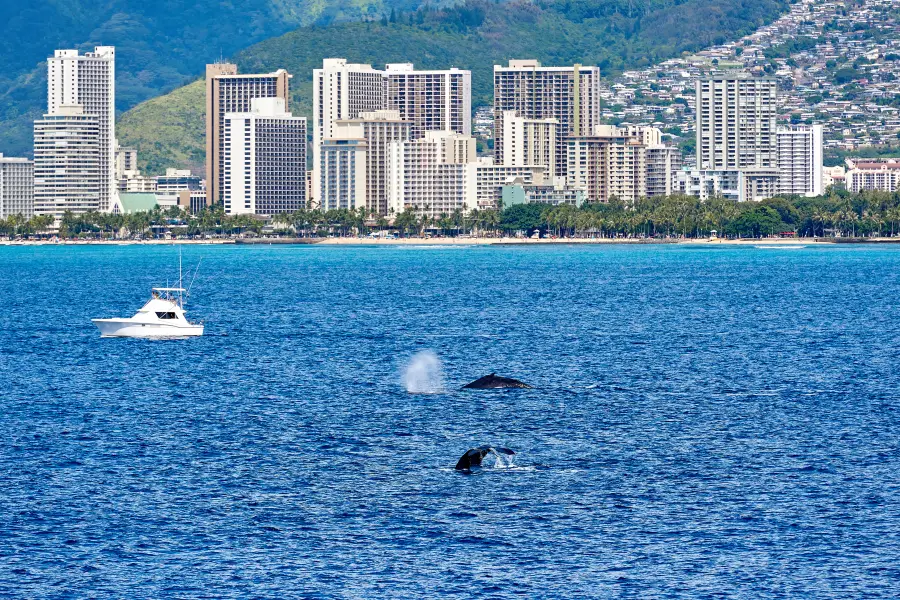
point(379, 129)
point(571, 95)
point(341, 174)
point(229, 92)
point(611, 162)
point(736, 117)
point(529, 142)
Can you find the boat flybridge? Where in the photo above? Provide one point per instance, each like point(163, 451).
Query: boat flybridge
point(161, 317)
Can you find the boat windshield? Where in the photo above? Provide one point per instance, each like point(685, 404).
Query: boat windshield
point(166, 315)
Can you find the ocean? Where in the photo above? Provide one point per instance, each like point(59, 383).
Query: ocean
point(706, 422)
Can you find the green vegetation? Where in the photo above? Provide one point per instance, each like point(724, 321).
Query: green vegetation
point(16, 225)
point(866, 214)
point(613, 34)
point(176, 134)
point(159, 45)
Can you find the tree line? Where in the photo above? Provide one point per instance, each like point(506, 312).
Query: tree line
point(838, 213)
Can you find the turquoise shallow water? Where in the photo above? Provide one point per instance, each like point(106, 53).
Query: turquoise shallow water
point(716, 422)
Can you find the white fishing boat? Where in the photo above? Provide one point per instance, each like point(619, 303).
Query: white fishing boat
point(162, 316)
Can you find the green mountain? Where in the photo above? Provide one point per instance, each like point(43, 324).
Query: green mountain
point(160, 44)
point(614, 34)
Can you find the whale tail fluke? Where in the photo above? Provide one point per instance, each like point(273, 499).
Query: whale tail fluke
point(474, 456)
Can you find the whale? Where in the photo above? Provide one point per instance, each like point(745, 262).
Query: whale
point(494, 382)
point(474, 456)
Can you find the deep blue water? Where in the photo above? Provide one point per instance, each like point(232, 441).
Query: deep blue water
point(709, 422)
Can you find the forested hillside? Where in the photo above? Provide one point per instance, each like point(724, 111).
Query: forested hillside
point(161, 44)
point(614, 34)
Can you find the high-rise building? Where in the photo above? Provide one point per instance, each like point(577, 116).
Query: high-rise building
point(264, 159)
point(440, 173)
point(342, 174)
point(436, 100)
point(611, 162)
point(379, 129)
point(736, 122)
point(342, 91)
point(430, 175)
point(800, 160)
point(67, 171)
point(16, 187)
point(663, 164)
point(571, 95)
point(88, 81)
point(529, 142)
point(228, 92)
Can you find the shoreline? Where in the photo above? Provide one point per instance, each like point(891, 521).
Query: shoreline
point(463, 242)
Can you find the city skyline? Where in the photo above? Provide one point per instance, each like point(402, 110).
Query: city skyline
point(753, 159)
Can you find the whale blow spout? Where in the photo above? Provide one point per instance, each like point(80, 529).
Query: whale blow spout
point(473, 457)
point(493, 382)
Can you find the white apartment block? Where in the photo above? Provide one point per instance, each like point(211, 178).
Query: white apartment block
point(379, 129)
point(134, 182)
point(67, 168)
point(867, 174)
point(571, 95)
point(663, 165)
point(228, 92)
point(441, 173)
point(736, 123)
point(431, 174)
point(177, 180)
point(529, 142)
point(517, 192)
point(433, 100)
point(490, 179)
point(734, 185)
point(16, 187)
point(341, 174)
point(264, 158)
point(800, 160)
point(88, 81)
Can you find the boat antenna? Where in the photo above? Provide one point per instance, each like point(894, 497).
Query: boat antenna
point(188, 294)
point(180, 294)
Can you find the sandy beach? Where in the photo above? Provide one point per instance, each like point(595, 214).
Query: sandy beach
point(460, 241)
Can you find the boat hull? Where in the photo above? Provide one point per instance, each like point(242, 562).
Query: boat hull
point(131, 329)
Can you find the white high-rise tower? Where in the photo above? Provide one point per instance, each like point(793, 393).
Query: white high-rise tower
point(88, 81)
point(341, 91)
